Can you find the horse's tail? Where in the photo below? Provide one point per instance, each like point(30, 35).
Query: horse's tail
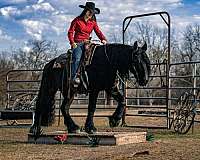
point(45, 108)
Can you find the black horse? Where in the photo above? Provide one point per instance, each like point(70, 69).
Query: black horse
point(102, 73)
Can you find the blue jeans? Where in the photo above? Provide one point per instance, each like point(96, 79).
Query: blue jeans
point(76, 57)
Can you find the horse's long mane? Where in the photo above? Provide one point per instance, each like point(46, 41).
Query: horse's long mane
point(122, 53)
point(118, 55)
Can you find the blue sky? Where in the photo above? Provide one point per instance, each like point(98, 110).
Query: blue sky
point(21, 20)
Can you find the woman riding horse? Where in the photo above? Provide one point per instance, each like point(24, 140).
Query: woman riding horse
point(79, 32)
point(102, 72)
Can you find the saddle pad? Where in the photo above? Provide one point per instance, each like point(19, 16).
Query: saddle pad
point(89, 53)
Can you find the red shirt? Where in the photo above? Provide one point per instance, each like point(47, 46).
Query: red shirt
point(80, 30)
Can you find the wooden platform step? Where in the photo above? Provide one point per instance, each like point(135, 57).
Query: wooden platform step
point(99, 138)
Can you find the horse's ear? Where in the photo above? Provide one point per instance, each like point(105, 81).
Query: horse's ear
point(144, 47)
point(135, 45)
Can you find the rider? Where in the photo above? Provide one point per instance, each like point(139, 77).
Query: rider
point(79, 32)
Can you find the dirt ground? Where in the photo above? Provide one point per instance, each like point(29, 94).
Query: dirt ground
point(166, 145)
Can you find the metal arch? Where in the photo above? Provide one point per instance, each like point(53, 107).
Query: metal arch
point(168, 23)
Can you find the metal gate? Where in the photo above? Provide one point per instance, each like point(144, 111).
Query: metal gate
point(149, 111)
point(22, 90)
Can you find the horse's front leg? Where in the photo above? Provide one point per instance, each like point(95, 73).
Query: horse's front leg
point(72, 127)
point(89, 125)
point(114, 120)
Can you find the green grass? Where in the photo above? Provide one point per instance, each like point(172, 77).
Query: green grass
point(169, 134)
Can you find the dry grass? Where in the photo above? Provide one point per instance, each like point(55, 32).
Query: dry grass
point(166, 145)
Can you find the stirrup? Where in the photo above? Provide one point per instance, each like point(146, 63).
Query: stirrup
point(76, 82)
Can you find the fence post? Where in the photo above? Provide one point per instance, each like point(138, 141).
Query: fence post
point(169, 99)
point(194, 70)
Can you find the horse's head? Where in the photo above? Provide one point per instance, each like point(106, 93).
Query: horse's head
point(140, 64)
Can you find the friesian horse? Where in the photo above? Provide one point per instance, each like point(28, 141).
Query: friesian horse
point(108, 60)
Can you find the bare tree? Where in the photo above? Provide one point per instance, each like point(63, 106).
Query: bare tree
point(191, 44)
point(5, 66)
point(5, 62)
point(189, 51)
point(35, 55)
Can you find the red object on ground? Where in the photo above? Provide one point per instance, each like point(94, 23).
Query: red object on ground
point(61, 138)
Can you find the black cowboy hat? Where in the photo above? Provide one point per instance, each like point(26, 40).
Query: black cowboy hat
point(91, 7)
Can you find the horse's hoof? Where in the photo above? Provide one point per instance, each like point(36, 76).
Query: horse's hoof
point(31, 129)
point(74, 130)
point(90, 130)
point(36, 132)
point(113, 122)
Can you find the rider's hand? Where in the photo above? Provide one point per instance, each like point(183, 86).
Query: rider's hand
point(74, 45)
point(104, 41)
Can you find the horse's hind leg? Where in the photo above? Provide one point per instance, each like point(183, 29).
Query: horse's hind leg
point(45, 101)
point(68, 121)
point(89, 125)
point(114, 120)
point(36, 126)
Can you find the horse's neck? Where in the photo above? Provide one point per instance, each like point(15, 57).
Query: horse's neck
point(122, 53)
